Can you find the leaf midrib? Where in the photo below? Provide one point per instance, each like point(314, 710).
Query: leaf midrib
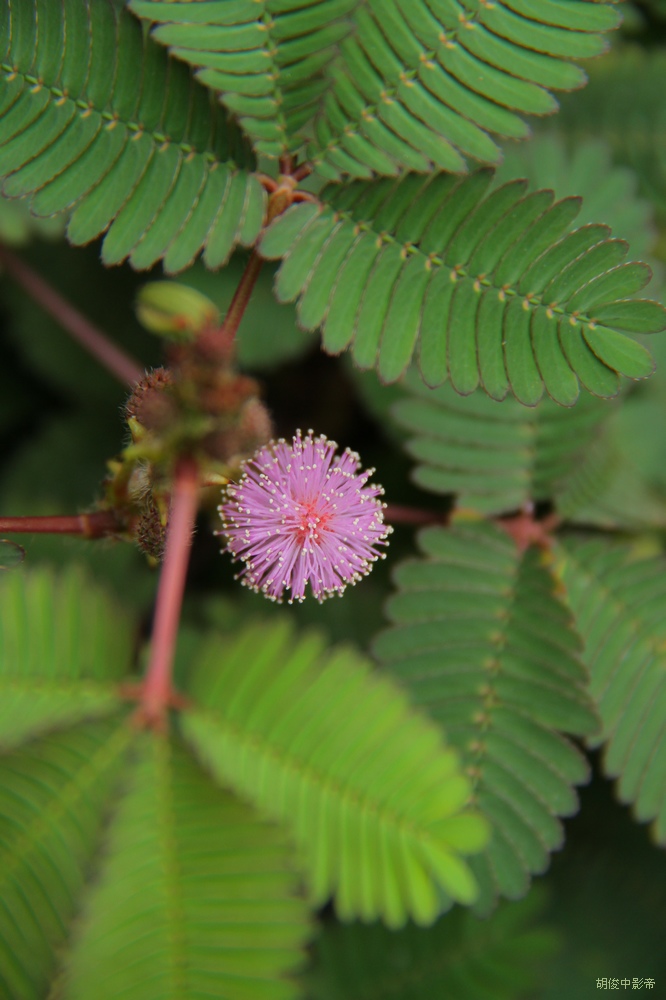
point(86, 108)
point(317, 778)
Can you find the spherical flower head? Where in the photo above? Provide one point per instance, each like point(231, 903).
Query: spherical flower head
point(302, 514)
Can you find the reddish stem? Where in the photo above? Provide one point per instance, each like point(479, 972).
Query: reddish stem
point(156, 694)
point(527, 531)
point(219, 341)
point(300, 173)
point(115, 360)
point(99, 524)
point(396, 514)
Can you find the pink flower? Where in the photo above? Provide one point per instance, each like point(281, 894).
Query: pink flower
point(300, 514)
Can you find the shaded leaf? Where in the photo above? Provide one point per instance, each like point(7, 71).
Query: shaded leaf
point(494, 456)
point(484, 644)
point(459, 957)
point(619, 605)
point(622, 105)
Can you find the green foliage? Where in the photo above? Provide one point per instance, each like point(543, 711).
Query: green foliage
point(53, 793)
point(372, 796)
point(153, 858)
point(96, 119)
point(62, 649)
point(266, 60)
point(419, 85)
point(194, 898)
point(496, 291)
point(494, 456)
point(618, 604)
point(483, 642)
point(414, 86)
point(460, 958)
point(586, 169)
point(219, 913)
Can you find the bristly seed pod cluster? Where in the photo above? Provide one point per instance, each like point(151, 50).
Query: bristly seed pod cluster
point(300, 514)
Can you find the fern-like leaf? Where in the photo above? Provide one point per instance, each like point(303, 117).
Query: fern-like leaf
point(195, 897)
point(52, 798)
point(494, 290)
point(63, 648)
point(374, 799)
point(619, 604)
point(495, 456)
point(459, 958)
point(266, 60)
point(421, 83)
point(97, 119)
point(483, 643)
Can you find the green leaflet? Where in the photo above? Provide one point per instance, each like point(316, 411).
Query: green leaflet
point(115, 133)
point(459, 957)
point(495, 457)
point(618, 602)
point(586, 169)
point(195, 896)
point(492, 291)
point(420, 85)
point(53, 797)
point(64, 646)
point(485, 646)
point(267, 60)
point(371, 794)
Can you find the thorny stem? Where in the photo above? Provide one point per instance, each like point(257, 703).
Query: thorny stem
point(98, 524)
point(157, 693)
point(115, 360)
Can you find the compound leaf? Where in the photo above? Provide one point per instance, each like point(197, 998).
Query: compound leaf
point(196, 896)
point(64, 646)
point(53, 793)
point(496, 457)
point(118, 134)
point(373, 797)
point(421, 85)
point(491, 290)
point(266, 60)
point(483, 644)
point(618, 602)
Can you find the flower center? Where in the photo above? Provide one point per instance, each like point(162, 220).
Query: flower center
point(311, 519)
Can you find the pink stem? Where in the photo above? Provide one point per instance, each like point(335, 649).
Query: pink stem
point(98, 524)
point(396, 514)
point(115, 360)
point(157, 687)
